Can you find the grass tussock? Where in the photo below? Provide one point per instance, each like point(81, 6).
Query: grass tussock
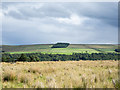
point(0, 76)
point(41, 71)
point(34, 70)
point(23, 78)
point(9, 75)
point(68, 74)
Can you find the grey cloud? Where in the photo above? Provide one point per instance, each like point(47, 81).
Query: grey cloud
point(47, 10)
point(16, 15)
point(107, 12)
point(30, 25)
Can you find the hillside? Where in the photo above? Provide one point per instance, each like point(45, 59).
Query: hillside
point(72, 48)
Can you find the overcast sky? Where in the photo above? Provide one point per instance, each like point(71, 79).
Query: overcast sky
point(46, 23)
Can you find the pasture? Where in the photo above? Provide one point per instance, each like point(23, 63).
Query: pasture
point(72, 48)
point(60, 74)
point(67, 51)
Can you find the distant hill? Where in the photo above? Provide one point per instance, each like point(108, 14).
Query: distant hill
point(69, 49)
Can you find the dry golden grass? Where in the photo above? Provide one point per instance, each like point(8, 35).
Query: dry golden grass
point(61, 74)
point(0, 75)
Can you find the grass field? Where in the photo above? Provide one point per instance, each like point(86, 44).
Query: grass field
point(0, 75)
point(72, 48)
point(60, 51)
point(67, 74)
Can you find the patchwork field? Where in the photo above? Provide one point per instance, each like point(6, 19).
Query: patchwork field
point(72, 48)
point(60, 74)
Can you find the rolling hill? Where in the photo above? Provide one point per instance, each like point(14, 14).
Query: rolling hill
point(72, 48)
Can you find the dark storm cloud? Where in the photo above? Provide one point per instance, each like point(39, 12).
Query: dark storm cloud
point(107, 12)
point(26, 23)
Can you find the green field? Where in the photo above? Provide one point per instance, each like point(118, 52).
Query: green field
point(72, 48)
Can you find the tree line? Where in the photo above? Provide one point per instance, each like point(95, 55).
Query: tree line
point(34, 57)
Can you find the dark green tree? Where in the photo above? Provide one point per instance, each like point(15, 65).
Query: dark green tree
point(23, 57)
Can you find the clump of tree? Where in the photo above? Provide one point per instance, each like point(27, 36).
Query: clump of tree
point(23, 57)
point(117, 50)
point(60, 45)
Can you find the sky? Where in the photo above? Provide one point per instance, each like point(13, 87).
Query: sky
point(48, 23)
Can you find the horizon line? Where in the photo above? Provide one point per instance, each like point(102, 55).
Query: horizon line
point(54, 43)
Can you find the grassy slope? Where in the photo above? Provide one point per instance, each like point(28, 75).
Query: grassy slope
point(46, 48)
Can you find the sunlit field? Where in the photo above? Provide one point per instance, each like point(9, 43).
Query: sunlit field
point(72, 48)
point(67, 51)
point(60, 74)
